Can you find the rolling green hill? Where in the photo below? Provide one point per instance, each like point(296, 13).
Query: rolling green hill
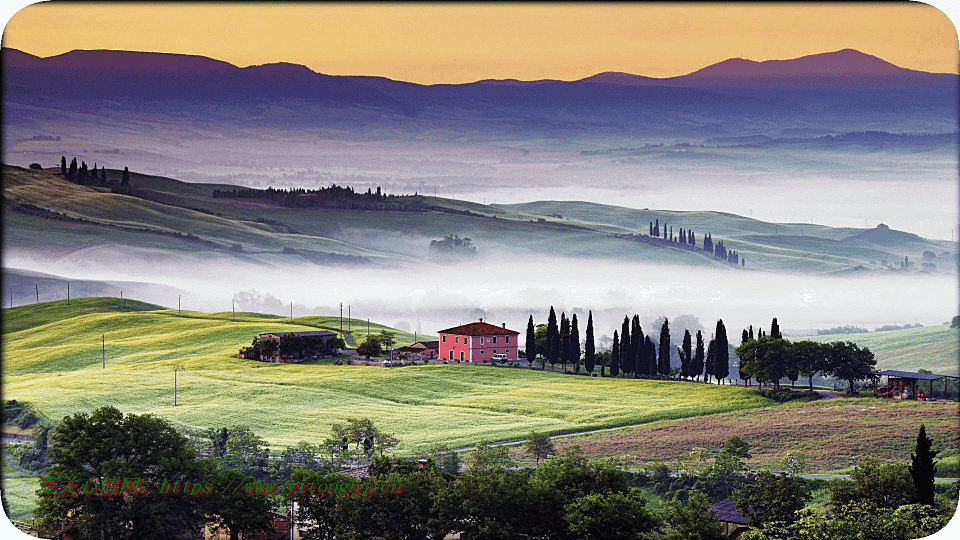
point(52, 359)
point(164, 219)
point(931, 347)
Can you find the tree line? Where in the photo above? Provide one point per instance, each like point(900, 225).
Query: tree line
point(664, 234)
point(81, 174)
point(343, 197)
point(766, 358)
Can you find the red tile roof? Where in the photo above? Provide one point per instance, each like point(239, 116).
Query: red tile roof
point(726, 510)
point(479, 329)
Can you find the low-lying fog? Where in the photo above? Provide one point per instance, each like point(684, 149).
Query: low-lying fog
point(432, 297)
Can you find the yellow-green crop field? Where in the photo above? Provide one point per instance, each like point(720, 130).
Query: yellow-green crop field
point(52, 359)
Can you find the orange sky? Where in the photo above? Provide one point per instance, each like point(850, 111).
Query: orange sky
point(464, 42)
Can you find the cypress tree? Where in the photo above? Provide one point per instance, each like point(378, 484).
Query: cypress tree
point(553, 338)
point(651, 356)
point(656, 228)
point(775, 330)
point(663, 357)
point(72, 173)
point(696, 367)
point(589, 353)
point(711, 358)
point(615, 355)
point(651, 228)
point(744, 337)
point(923, 468)
point(721, 366)
point(564, 340)
point(531, 342)
point(693, 239)
point(636, 340)
point(683, 238)
point(125, 177)
point(685, 357)
point(626, 348)
point(103, 175)
point(750, 334)
point(575, 344)
point(63, 165)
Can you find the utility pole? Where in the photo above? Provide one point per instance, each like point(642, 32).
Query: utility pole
point(178, 306)
point(121, 300)
point(103, 350)
point(68, 293)
point(174, 387)
point(341, 318)
point(291, 312)
point(349, 316)
point(37, 287)
point(233, 306)
point(11, 297)
point(368, 327)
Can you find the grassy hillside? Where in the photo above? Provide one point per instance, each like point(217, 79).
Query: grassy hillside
point(56, 366)
point(932, 347)
point(769, 246)
point(164, 218)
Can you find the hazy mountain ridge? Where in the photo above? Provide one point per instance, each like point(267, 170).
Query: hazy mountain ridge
point(733, 93)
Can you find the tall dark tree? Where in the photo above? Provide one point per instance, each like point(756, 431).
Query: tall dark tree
point(693, 239)
point(663, 356)
point(775, 330)
point(696, 367)
point(636, 345)
point(721, 365)
point(643, 356)
point(553, 338)
point(750, 333)
point(531, 342)
point(125, 177)
point(72, 173)
point(687, 352)
point(575, 344)
point(63, 165)
point(615, 355)
point(589, 350)
point(626, 348)
point(923, 468)
point(564, 340)
point(103, 175)
point(651, 228)
point(651, 352)
point(711, 358)
point(656, 228)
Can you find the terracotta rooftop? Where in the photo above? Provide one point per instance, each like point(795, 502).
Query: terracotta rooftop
point(479, 329)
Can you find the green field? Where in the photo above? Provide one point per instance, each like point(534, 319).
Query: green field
point(54, 362)
point(932, 347)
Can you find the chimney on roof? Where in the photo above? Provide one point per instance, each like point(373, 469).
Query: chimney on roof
point(481, 319)
point(504, 325)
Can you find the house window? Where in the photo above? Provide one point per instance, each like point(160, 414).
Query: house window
point(461, 356)
point(507, 338)
point(494, 351)
point(444, 338)
point(456, 340)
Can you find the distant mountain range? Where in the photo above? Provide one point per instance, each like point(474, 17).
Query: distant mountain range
point(159, 111)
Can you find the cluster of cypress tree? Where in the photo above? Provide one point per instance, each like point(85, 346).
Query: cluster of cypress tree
point(688, 238)
point(632, 353)
point(82, 174)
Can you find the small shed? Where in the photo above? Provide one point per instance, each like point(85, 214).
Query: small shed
point(906, 384)
point(731, 520)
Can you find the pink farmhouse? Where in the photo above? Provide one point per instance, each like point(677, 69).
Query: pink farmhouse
point(477, 342)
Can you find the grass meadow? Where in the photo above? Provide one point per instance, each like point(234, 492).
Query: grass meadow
point(52, 357)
